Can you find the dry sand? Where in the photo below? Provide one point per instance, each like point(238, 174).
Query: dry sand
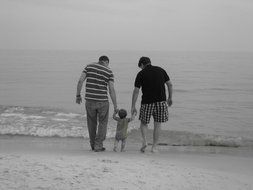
point(67, 163)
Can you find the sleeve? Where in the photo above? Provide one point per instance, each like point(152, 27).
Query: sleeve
point(166, 76)
point(85, 70)
point(137, 82)
point(111, 77)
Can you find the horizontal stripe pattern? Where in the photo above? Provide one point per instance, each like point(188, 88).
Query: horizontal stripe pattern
point(97, 79)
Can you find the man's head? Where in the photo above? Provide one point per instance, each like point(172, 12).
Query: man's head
point(104, 60)
point(122, 113)
point(143, 62)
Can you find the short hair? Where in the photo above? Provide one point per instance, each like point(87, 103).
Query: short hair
point(103, 58)
point(122, 113)
point(144, 61)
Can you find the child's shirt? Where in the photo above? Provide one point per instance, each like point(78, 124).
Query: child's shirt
point(122, 125)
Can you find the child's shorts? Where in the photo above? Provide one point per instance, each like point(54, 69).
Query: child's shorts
point(159, 111)
point(120, 137)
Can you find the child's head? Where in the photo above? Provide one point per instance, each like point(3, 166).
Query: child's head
point(122, 113)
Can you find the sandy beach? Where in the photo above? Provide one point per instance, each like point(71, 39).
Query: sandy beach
point(196, 55)
point(67, 163)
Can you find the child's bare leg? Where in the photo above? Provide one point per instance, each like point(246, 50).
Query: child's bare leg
point(123, 144)
point(115, 145)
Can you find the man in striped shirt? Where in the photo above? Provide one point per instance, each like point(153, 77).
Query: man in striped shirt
point(99, 78)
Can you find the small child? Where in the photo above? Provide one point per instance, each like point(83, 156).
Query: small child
point(122, 125)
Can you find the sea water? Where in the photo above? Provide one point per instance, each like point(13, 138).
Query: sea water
point(212, 99)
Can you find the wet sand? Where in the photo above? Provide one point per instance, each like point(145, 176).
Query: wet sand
point(67, 163)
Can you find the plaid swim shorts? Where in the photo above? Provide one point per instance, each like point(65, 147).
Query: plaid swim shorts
point(159, 111)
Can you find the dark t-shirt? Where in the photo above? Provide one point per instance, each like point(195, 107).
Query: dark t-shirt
point(151, 80)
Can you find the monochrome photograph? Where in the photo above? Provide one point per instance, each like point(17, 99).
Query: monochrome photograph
point(126, 95)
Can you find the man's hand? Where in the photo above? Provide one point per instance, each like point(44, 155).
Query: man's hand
point(134, 114)
point(79, 88)
point(169, 101)
point(113, 94)
point(134, 99)
point(133, 111)
point(116, 110)
point(78, 99)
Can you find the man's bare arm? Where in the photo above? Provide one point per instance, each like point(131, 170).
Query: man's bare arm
point(113, 94)
point(115, 117)
point(169, 86)
point(79, 88)
point(132, 116)
point(134, 99)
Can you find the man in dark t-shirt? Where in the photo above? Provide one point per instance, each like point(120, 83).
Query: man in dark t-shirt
point(152, 79)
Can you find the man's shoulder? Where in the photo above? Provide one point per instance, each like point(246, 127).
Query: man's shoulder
point(158, 68)
point(141, 72)
point(139, 75)
point(151, 68)
point(106, 68)
point(99, 66)
point(91, 65)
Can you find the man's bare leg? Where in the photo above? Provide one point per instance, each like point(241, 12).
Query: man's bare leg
point(144, 128)
point(156, 134)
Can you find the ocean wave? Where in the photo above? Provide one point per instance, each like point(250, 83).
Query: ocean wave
point(215, 89)
point(181, 90)
point(203, 89)
point(185, 138)
point(45, 122)
point(38, 121)
point(22, 116)
point(72, 115)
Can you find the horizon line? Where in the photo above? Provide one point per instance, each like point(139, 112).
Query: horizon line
point(117, 50)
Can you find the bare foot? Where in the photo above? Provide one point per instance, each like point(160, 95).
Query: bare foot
point(154, 149)
point(144, 146)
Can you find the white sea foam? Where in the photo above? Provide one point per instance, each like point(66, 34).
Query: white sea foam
point(22, 116)
point(33, 117)
point(47, 123)
point(72, 115)
point(12, 115)
point(59, 119)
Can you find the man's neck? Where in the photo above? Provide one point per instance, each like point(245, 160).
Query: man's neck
point(149, 64)
point(103, 63)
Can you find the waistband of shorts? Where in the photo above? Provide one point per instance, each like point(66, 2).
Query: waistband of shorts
point(96, 100)
point(154, 103)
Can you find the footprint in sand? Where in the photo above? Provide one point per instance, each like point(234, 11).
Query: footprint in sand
point(107, 170)
point(109, 161)
point(59, 178)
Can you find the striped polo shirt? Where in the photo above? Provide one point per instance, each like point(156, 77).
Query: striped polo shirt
point(97, 79)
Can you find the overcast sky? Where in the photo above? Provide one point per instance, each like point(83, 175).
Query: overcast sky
point(168, 25)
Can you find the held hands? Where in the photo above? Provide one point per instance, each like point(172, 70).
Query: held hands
point(116, 111)
point(134, 111)
point(134, 114)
